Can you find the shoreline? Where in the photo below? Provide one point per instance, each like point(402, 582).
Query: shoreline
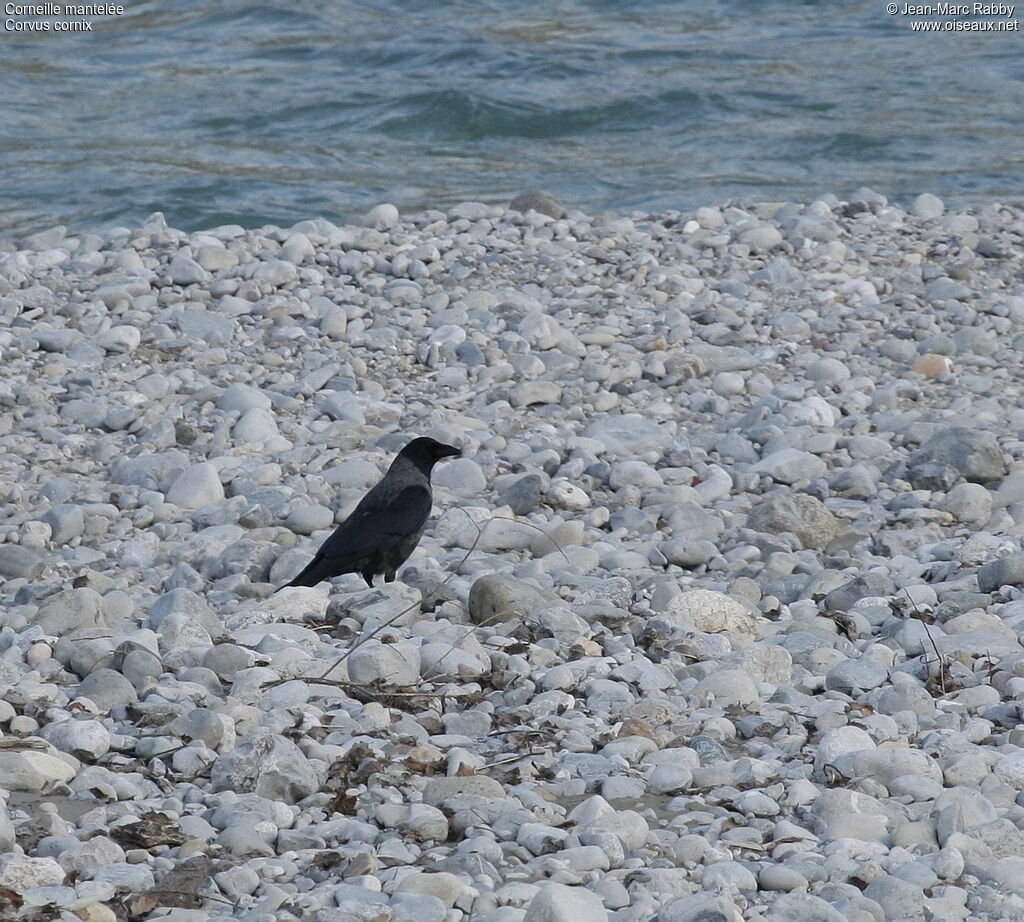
point(958, 204)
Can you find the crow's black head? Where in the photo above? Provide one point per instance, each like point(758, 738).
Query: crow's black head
point(425, 452)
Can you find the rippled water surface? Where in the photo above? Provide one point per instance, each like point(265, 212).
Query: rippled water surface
point(226, 111)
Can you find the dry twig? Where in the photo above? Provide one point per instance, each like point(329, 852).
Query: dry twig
point(386, 624)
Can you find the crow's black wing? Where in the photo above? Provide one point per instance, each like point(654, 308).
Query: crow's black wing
point(380, 521)
point(389, 515)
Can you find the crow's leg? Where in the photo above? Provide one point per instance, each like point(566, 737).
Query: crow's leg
point(389, 576)
point(368, 576)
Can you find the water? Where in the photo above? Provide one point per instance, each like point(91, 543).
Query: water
point(218, 111)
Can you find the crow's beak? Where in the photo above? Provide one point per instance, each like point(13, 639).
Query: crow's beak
point(450, 451)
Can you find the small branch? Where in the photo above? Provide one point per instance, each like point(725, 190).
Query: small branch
point(195, 895)
point(366, 637)
point(938, 656)
point(490, 619)
point(386, 624)
point(519, 757)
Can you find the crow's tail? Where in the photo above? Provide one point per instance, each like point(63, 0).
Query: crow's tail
point(308, 577)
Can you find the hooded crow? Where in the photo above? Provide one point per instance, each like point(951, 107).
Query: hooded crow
point(384, 529)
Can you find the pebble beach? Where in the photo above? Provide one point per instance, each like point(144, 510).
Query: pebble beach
point(718, 617)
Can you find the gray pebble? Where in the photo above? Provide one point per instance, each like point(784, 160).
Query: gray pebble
point(17, 562)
